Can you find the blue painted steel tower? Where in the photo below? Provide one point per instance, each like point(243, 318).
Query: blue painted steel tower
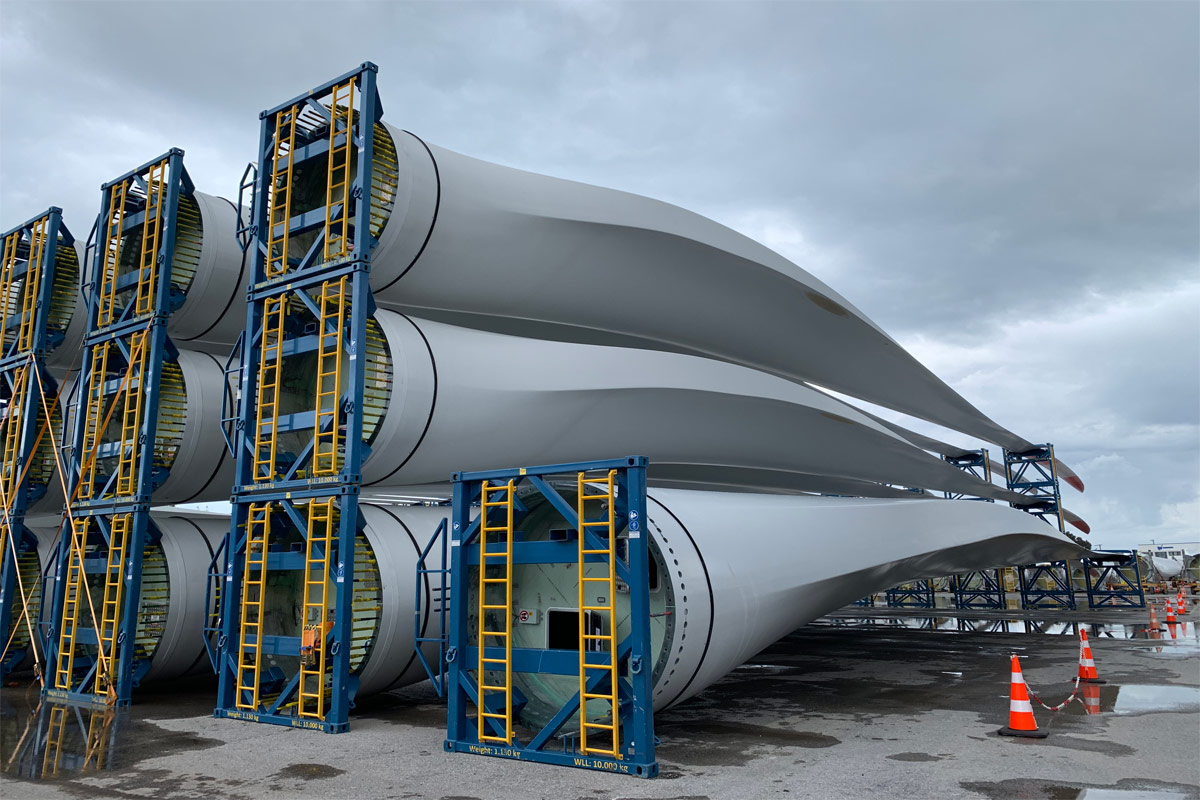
point(91, 633)
point(295, 510)
point(28, 394)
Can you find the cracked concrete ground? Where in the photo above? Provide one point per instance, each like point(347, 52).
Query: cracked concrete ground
point(827, 712)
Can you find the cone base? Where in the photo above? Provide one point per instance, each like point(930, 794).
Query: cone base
point(1025, 734)
point(1092, 680)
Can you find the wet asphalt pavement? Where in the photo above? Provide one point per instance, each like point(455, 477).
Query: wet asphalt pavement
point(842, 709)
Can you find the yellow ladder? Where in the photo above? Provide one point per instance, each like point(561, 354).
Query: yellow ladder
point(337, 198)
point(270, 371)
point(321, 522)
point(97, 738)
point(113, 237)
point(10, 470)
point(254, 586)
point(31, 285)
point(72, 598)
point(114, 591)
point(600, 646)
point(326, 431)
point(147, 285)
point(495, 552)
point(55, 732)
point(279, 208)
point(8, 303)
point(93, 419)
point(132, 416)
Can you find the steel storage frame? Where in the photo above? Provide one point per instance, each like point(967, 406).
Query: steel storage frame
point(313, 493)
point(30, 251)
point(107, 525)
point(1114, 580)
point(481, 524)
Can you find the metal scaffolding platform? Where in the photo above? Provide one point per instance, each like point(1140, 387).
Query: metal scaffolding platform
point(608, 724)
point(28, 399)
point(92, 642)
point(297, 512)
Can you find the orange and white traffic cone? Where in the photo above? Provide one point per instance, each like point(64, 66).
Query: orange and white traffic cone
point(1180, 605)
point(1154, 623)
point(1020, 711)
point(1170, 613)
point(1087, 667)
point(1091, 699)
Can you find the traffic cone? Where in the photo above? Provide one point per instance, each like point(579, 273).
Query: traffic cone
point(1181, 605)
point(1020, 711)
point(1087, 667)
point(1154, 623)
point(1091, 699)
point(1170, 613)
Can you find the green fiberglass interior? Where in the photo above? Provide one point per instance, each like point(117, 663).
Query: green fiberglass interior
point(298, 388)
point(549, 595)
point(284, 601)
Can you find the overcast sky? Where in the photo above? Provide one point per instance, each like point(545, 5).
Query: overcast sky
point(1011, 190)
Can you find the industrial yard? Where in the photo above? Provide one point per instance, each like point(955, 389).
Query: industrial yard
point(694, 401)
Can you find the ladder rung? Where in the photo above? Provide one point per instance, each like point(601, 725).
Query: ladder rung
point(596, 608)
point(599, 725)
point(487, 688)
point(491, 715)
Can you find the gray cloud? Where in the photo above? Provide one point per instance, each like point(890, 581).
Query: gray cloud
point(1011, 190)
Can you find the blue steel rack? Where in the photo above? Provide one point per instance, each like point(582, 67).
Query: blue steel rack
point(1114, 580)
point(93, 650)
point(483, 711)
point(1033, 473)
point(28, 392)
point(1047, 585)
point(980, 589)
point(915, 594)
point(974, 462)
point(312, 298)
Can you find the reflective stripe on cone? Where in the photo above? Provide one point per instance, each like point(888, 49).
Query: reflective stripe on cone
point(1087, 667)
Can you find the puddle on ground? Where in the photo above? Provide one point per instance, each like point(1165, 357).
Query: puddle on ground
point(1131, 699)
point(1130, 794)
point(51, 741)
point(1125, 789)
point(1141, 699)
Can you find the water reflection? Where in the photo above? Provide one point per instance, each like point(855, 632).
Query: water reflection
point(56, 740)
